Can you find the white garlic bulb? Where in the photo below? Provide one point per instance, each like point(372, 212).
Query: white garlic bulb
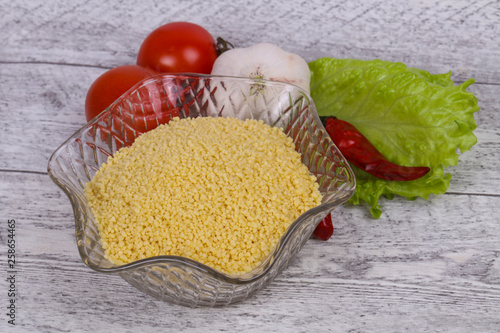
point(264, 61)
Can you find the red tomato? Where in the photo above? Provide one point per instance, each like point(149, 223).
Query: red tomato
point(178, 47)
point(111, 85)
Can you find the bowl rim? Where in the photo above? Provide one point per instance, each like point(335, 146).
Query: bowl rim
point(234, 279)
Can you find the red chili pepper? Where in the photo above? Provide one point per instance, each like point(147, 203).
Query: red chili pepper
point(324, 230)
point(360, 152)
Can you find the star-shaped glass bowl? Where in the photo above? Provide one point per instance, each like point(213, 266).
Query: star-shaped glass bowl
point(157, 100)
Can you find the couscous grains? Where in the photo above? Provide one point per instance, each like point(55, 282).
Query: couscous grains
point(221, 191)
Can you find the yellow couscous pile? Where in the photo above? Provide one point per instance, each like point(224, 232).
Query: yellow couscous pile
point(221, 191)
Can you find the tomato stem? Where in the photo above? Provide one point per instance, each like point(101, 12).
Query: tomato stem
point(223, 46)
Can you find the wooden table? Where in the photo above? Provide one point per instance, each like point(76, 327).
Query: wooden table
point(424, 266)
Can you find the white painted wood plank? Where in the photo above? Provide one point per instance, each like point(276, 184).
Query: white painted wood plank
point(415, 270)
point(55, 107)
point(437, 36)
point(42, 105)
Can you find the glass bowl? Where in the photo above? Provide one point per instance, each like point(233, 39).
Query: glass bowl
point(155, 101)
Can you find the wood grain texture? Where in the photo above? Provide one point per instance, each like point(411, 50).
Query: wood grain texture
point(425, 266)
point(437, 36)
point(369, 272)
point(56, 102)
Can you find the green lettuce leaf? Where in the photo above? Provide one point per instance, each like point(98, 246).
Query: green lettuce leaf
point(414, 118)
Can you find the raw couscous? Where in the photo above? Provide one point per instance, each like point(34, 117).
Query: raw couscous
point(221, 191)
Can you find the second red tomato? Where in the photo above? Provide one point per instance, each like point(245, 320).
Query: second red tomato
point(178, 47)
point(111, 85)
